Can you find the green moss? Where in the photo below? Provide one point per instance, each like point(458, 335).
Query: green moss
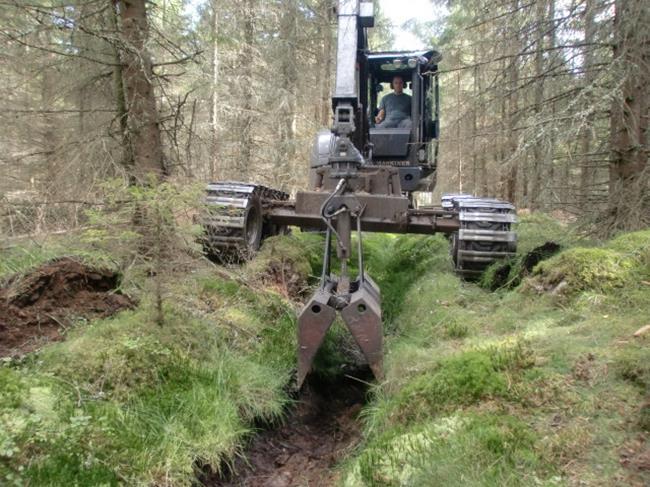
point(633, 364)
point(538, 228)
point(458, 380)
point(131, 400)
point(619, 263)
point(522, 354)
point(479, 449)
point(539, 236)
point(635, 245)
point(582, 269)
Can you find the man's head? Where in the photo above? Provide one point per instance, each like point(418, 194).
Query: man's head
point(398, 84)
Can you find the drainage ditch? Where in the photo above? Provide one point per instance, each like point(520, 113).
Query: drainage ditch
point(319, 431)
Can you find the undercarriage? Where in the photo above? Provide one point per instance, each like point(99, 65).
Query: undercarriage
point(240, 215)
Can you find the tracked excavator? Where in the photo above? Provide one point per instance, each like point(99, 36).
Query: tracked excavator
point(362, 179)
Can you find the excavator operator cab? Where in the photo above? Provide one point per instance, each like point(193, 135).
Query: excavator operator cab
point(412, 147)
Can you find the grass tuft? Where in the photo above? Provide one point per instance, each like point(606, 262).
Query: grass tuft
point(467, 449)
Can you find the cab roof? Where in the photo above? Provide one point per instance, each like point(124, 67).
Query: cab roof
point(385, 65)
point(433, 56)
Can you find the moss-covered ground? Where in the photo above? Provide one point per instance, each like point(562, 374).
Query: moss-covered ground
point(541, 383)
point(538, 383)
point(132, 401)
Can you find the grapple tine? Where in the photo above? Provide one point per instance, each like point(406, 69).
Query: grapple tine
point(314, 321)
point(363, 318)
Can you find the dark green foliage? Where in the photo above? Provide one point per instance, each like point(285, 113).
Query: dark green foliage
point(72, 468)
point(459, 380)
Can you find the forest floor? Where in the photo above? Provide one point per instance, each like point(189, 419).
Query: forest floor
point(537, 375)
point(319, 431)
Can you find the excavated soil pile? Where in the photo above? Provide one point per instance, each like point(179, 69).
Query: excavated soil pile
point(322, 428)
point(35, 308)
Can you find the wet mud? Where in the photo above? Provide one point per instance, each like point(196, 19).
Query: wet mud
point(319, 431)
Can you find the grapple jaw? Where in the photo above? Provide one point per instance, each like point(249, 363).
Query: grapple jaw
point(361, 313)
point(315, 319)
point(363, 318)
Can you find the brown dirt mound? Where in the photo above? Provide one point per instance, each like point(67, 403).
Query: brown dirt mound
point(36, 308)
point(320, 430)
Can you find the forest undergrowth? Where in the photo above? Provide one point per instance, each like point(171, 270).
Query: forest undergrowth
point(535, 378)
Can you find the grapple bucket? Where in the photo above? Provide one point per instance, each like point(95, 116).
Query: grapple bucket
point(362, 316)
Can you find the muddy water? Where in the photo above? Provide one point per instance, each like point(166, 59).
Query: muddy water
point(319, 431)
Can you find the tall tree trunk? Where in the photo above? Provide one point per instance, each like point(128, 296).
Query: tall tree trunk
point(244, 160)
point(537, 198)
point(326, 73)
point(628, 171)
point(459, 151)
point(587, 170)
point(475, 110)
point(120, 95)
point(513, 116)
point(214, 95)
point(137, 74)
point(288, 31)
point(48, 129)
point(550, 196)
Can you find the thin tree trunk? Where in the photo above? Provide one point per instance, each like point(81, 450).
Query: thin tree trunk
point(475, 109)
point(587, 172)
point(120, 95)
point(288, 31)
point(326, 75)
point(214, 95)
point(537, 198)
point(550, 196)
point(513, 107)
point(459, 153)
point(243, 161)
